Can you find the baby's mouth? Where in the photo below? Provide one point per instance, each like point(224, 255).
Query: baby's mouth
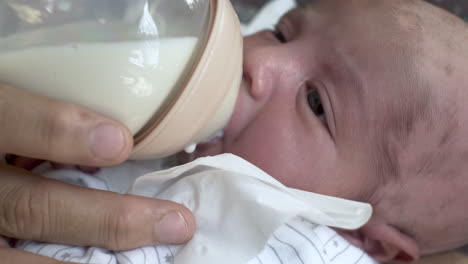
point(209, 147)
point(216, 137)
point(214, 144)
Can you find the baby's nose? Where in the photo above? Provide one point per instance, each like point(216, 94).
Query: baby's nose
point(261, 72)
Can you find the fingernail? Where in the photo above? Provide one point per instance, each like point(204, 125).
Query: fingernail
point(107, 141)
point(172, 229)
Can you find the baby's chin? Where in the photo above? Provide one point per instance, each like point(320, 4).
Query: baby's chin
point(211, 148)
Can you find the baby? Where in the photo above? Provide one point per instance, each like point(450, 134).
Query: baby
point(363, 100)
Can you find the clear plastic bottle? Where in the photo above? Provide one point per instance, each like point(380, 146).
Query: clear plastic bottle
point(168, 69)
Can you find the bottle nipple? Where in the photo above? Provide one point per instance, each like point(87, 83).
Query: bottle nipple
point(191, 148)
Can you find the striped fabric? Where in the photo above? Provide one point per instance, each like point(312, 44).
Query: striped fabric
point(296, 242)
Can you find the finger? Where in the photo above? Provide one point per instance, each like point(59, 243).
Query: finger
point(39, 127)
point(37, 208)
point(14, 256)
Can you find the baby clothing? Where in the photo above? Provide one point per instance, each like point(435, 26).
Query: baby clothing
point(296, 242)
point(243, 216)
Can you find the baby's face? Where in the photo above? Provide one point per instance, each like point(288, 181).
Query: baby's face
point(302, 113)
point(321, 93)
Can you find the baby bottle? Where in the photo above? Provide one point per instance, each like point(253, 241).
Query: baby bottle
point(168, 69)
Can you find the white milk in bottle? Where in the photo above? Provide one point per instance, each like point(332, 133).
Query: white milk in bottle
point(135, 76)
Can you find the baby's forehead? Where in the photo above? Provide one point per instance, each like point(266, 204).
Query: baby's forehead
point(372, 43)
point(364, 34)
point(377, 22)
point(387, 39)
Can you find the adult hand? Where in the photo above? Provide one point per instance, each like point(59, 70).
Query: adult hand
point(36, 208)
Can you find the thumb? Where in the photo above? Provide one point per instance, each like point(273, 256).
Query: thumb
point(38, 127)
point(37, 208)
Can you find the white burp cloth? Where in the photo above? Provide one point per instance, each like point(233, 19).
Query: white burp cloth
point(238, 207)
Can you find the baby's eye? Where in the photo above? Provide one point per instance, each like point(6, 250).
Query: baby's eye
point(279, 35)
point(315, 103)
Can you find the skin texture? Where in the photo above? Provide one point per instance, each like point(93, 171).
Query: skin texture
point(32, 207)
point(391, 80)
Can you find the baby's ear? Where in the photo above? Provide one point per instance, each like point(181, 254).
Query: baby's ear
point(384, 242)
